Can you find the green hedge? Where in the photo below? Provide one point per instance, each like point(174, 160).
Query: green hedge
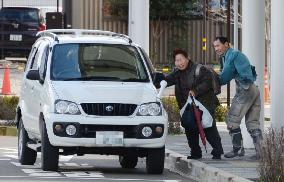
point(8, 106)
point(220, 113)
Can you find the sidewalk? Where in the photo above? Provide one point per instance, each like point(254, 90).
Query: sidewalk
point(239, 166)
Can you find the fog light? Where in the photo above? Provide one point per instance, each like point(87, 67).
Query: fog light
point(147, 131)
point(58, 128)
point(71, 130)
point(158, 129)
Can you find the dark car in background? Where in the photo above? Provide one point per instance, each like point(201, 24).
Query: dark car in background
point(18, 29)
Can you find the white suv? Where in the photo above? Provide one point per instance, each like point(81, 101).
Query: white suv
point(90, 92)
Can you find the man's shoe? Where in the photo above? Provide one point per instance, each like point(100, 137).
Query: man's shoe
point(216, 157)
point(231, 154)
point(194, 157)
point(235, 153)
point(242, 153)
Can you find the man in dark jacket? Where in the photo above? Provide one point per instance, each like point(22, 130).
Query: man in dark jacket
point(183, 77)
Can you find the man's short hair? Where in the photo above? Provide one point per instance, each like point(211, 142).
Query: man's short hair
point(180, 51)
point(222, 39)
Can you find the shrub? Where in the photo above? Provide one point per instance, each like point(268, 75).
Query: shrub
point(172, 109)
point(220, 113)
point(271, 166)
point(8, 107)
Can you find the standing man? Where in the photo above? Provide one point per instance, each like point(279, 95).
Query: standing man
point(246, 102)
point(183, 77)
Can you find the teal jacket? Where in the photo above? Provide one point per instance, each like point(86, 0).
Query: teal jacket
point(237, 66)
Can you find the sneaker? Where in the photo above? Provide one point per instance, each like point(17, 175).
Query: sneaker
point(231, 154)
point(235, 153)
point(216, 157)
point(194, 157)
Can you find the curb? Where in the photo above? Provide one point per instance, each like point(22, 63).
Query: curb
point(197, 170)
point(8, 131)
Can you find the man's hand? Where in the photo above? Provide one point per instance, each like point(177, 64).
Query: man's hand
point(191, 92)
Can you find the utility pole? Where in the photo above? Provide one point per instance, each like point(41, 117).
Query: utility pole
point(138, 23)
point(277, 85)
point(229, 39)
point(253, 46)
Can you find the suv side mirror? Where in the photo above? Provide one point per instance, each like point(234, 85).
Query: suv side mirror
point(33, 75)
point(157, 78)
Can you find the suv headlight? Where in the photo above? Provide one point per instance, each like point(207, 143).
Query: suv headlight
point(150, 109)
point(66, 107)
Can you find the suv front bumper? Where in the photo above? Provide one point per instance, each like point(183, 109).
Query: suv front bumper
point(87, 127)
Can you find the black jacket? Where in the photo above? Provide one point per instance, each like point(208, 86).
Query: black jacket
point(185, 80)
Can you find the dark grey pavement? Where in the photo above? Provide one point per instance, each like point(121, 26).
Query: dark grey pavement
point(239, 166)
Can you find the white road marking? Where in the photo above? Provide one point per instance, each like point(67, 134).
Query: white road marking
point(39, 172)
point(65, 158)
point(14, 176)
point(12, 156)
point(12, 152)
point(9, 149)
point(83, 174)
point(25, 166)
point(71, 164)
point(4, 159)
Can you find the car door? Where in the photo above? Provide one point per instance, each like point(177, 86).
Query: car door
point(27, 85)
point(35, 89)
point(40, 91)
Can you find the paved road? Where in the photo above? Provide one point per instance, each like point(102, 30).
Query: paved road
point(74, 168)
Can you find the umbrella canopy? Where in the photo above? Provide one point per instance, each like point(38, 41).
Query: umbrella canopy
point(198, 118)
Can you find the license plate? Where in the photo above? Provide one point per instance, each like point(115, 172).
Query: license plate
point(15, 37)
point(109, 138)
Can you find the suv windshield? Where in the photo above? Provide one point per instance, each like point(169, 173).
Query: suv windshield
point(99, 62)
point(19, 15)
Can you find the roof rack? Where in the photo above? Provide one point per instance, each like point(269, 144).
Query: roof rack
point(49, 34)
point(54, 32)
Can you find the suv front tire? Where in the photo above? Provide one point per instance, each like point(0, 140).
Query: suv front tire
point(128, 161)
point(27, 156)
point(49, 153)
point(155, 161)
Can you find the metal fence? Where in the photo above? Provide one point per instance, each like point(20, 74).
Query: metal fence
point(7, 123)
point(31, 3)
point(93, 14)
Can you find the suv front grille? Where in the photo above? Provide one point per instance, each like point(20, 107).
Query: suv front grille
point(108, 109)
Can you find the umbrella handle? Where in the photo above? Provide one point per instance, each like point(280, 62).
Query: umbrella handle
point(191, 96)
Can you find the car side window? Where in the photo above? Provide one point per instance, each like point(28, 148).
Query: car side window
point(39, 55)
point(31, 57)
point(148, 62)
point(43, 63)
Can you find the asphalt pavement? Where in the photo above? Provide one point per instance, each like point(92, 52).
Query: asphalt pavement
point(75, 168)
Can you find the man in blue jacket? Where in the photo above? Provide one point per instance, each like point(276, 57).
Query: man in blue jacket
point(246, 102)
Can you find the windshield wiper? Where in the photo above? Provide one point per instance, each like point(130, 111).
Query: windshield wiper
point(134, 80)
point(94, 78)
